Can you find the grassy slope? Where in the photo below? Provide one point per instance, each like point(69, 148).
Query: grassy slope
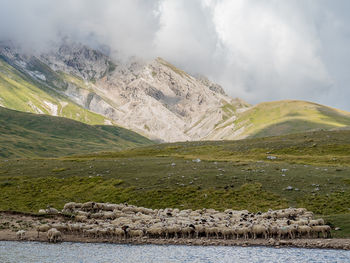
point(287, 117)
point(231, 174)
point(32, 135)
point(20, 92)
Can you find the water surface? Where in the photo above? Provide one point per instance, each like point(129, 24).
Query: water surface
point(35, 252)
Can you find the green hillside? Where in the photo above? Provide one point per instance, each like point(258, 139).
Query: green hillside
point(290, 116)
point(33, 135)
point(19, 91)
point(279, 118)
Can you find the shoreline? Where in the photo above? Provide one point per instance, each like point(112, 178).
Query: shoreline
point(317, 243)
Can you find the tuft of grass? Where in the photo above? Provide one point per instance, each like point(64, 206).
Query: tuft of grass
point(58, 170)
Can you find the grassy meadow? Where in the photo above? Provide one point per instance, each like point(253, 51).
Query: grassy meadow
point(309, 170)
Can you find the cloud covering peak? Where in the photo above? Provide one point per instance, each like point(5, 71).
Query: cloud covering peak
point(259, 50)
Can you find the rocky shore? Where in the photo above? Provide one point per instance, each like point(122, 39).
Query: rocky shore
point(11, 222)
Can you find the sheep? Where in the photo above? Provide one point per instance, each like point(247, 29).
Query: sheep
point(308, 214)
point(21, 234)
point(293, 230)
point(154, 232)
point(199, 230)
point(108, 215)
point(71, 207)
point(325, 230)
point(259, 230)
point(98, 206)
point(82, 213)
point(60, 227)
point(300, 222)
point(54, 236)
point(117, 220)
point(128, 209)
point(91, 232)
point(172, 231)
point(88, 206)
point(187, 231)
point(211, 232)
point(227, 233)
point(135, 233)
point(74, 228)
point(287, 231)
point(273, 231)
point(51, 210)
point(303, 230)
point(43, 228)
point(108, 207)
point(320, 221)
point(301, 211)
point(242, 230)
point(119, 233)
point(101, 232)
point(80, 218)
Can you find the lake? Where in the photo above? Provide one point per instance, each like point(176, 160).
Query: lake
point(35, 252)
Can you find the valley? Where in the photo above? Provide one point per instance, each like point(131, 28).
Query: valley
point(309, 170)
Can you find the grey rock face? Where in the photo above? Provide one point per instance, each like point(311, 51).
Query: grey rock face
point(153, 98)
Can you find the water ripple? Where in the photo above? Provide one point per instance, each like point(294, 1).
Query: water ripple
point(34, 252)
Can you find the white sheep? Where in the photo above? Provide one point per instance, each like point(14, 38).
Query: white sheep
point(54, 236)
point(107, 220)
point(21, 235)
point(43, 228)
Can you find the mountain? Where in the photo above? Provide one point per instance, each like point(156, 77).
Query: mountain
point(33, 87)
point(35, 135)
point(153, 98)
point(281, 117)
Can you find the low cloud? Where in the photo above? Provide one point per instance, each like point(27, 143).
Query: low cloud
point(259, 50)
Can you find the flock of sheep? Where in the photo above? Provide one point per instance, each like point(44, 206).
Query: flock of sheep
point(122, 221)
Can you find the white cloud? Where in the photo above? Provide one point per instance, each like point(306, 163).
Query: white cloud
point(257, 49)
point(270, 54)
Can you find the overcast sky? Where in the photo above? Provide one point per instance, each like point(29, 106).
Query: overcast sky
point(258, 50)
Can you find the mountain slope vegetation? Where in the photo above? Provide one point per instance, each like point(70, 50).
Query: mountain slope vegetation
point(18, 91)
point(33, 135)
point(282, 117)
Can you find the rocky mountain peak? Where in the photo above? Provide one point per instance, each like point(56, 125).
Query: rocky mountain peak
point(154, 98)
point(80, 60)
